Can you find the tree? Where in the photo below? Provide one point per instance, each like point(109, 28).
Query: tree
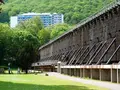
point(66, 7)
point(27, 56)
point(33, 25)
point(58, 30)
point(3, 41)
point(18, 47)
point(44, 36)
point(27, 49)
point(1, 1)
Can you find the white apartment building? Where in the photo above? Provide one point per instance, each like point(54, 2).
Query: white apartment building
point(47, 18)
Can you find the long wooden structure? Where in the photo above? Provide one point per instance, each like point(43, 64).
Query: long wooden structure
point(94, 41)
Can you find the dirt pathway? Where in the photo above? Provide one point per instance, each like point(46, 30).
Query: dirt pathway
point(109, 85)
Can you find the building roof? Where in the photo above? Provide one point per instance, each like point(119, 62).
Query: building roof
point(85, 21)
point(32, 13)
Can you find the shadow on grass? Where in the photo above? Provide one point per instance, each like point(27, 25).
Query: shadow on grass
point(21, 86)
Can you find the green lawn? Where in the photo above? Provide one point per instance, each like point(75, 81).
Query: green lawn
point(40, 82)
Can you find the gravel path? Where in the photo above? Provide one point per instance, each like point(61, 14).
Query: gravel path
point(109, 85)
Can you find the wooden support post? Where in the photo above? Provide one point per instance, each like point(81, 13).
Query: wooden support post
point(100, 76)
point(83, 72)
point(91, 73)
point(111, 75)
point(117, 75)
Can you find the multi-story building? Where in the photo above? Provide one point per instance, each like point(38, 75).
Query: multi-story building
point(47, 18)
point(57, 18)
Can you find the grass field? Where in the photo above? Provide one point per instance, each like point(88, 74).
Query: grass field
point(40, 82)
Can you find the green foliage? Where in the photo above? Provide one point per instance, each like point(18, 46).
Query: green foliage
point(74, 10)
point(44, 36)
point(19, 45)
point(26, 56)
point(33, 25)
point(13, 43)
point(58, 30)
point(5, 67)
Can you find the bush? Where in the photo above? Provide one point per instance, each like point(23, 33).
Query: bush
point(46, 74)
point(5, 67)
point(2, 70)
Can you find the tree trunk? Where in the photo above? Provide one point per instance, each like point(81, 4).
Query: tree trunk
point(26, 71)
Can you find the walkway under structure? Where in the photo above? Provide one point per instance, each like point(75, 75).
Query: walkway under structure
point(97, 72)
point(91, 49)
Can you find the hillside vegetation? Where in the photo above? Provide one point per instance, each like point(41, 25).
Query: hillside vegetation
point(74, 10)
point(19, 46)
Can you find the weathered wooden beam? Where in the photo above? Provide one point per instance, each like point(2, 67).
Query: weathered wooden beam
point(74, 56)
point(88, 52)
point(77, 55)
point(81, 55)
point(94, 52)
point(87, 48)
point(70, 56)
point(64, 56)
point(97, 52)
point(113, 54)
point(106, 50)
point(67, 55)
